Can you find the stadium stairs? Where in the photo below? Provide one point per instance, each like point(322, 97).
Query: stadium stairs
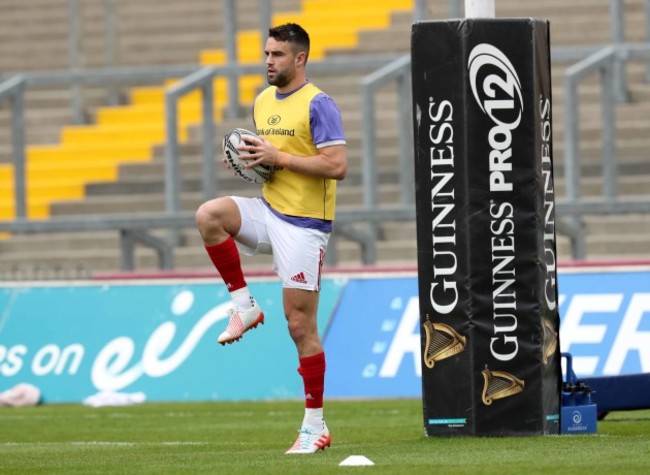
point(116, 165)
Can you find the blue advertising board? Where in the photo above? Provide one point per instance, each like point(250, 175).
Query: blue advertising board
point(605, 322)
point(373, 342)
point(74, 340)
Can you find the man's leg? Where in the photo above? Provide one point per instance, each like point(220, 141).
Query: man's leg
point(218, 221)
point(300, 309)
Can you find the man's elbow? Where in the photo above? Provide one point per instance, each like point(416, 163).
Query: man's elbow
point(340, 172)
point(341, 169)
point(337, 162)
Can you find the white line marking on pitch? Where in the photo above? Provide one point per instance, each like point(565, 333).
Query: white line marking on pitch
point(102, 443)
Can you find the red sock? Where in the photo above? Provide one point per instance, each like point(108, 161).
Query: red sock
point(312, 370)
point(225, 258)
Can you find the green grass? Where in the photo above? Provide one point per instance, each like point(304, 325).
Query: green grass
point(250, 438)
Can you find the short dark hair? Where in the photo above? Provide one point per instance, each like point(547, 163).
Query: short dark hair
point(293, 34)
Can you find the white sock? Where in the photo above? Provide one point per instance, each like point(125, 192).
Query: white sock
point(242, 299)
point(314, 419)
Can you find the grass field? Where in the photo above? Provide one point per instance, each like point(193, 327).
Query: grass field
point(250, 438)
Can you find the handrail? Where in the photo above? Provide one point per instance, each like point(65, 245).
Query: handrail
point(13, 89)
point(202, 79)
point(603, 61)
point(135, 228)
point(230, 29)
point(126, 75)
point(398, 69)
point(608, 62)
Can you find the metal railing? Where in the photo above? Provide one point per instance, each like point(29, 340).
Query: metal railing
point(383, 70)
point(13, 90)
point(607, 63)
point(136, 229)
point(203, 80)
point(397, 71)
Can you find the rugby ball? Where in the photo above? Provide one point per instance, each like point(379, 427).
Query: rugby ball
point(258, 174)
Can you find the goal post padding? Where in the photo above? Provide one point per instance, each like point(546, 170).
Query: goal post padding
point(486, 227)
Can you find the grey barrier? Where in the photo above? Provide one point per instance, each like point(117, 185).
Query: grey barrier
point(605, 63)
point(134, 230)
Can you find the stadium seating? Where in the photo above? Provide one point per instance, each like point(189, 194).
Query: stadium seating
point(115, 163)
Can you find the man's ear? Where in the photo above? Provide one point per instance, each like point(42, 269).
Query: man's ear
point(301, 58)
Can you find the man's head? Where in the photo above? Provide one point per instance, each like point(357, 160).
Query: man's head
point(293, 34)
point(287, 50)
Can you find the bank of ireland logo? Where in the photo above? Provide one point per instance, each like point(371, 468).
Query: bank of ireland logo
point(274, 120)
point(495, 85)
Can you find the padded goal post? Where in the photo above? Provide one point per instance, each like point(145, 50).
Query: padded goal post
point(486, 227)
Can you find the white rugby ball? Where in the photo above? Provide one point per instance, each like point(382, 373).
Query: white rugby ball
point(257, 174)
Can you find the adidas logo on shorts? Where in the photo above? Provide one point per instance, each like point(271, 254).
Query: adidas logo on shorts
point(299, 278)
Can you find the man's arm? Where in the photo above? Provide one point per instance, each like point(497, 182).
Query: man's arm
point(331, 162)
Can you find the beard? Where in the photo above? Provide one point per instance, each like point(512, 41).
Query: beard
point(280, 80)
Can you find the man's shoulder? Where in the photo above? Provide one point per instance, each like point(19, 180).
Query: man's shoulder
point(266, 92)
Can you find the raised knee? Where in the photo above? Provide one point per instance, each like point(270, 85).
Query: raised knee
point(211, 220)
point(202, 215)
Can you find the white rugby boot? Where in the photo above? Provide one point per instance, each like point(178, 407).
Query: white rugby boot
point(240, 322)
point(310, 441)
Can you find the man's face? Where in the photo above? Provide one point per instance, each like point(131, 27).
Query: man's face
point(280, 63)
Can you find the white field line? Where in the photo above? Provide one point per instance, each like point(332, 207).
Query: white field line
point(99, 443)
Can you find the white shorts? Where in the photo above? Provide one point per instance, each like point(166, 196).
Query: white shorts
point(298, 253)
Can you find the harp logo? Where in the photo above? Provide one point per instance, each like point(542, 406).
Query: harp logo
point(441, 342)
point(499, 385)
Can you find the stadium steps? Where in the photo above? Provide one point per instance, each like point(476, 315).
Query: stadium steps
point(104, 255)
point(606, 238)
point(155, 203)
point(391, 249)
point(127, 133)
point(145, 30)
point(46, 112)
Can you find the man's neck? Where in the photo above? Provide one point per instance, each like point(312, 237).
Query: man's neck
point(294, 85)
